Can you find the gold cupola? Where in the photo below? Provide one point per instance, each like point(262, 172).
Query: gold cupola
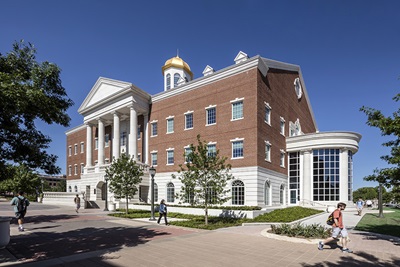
point(177, 62)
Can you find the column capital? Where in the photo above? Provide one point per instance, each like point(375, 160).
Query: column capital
point(116, 113)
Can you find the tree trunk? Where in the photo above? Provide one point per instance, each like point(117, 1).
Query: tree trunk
point(380, 204)
point(126, 210)
point(206, 215)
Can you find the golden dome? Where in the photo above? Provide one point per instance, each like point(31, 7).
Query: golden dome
point(177, 62)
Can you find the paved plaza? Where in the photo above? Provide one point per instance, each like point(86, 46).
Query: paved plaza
point(57, 236)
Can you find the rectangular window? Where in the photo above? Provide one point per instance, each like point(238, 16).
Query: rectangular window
point(106, 140)
point(282, 161)
point(282, 126)
point(123, 139)
point(76, 149)
point(138, 132)
point(82, 168)
point(69, 151)
point(75, 169)
point(69, 170)
point(170, 157)
point(170, 125)
point(189, 121)
point(211, 116)
point(187, 152)
point(267, 151)
point(211, 150)
point(82, 147)
point(237, 149)
point(154, 159)
point(154, 130)
point(237, 110)
point(267, 114)
point(96, 143)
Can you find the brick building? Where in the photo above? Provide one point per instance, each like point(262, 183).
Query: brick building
point(256, 112)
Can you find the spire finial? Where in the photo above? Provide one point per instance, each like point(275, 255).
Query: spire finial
point(177, 52)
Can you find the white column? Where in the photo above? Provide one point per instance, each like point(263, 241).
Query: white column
point(146, 138)
point(100, 149)
point(307, 176)
point(116, 137)
point(133, 134)
point(344, 175)
point(88, 145)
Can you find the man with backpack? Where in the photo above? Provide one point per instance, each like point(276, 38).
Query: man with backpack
point(337, 229)
point(20, 204)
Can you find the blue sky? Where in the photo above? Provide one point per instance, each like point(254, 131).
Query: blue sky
point(349, 51)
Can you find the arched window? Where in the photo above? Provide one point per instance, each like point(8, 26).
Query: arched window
point(76, 189)
point(267, 193)
point(168, 81)
point(155, 192)
point(170, 192)
point(281, 194)
point(237, 192)
point(176, 79)
point(69, 189)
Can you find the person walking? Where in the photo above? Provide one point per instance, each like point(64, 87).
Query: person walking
point(163, 212)
point(337, 229)
point(20, 204)
point(360, 205)
point(77, 201)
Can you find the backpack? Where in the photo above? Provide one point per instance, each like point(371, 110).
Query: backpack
point(330, 220)
point(21, 206)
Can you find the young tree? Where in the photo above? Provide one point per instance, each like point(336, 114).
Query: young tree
point(29, 91)
point(124, 176)
point(204, 177)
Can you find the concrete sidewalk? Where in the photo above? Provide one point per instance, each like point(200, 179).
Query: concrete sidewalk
point(57, 236)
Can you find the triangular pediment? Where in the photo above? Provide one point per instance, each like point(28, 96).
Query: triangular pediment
point(208, 70)
point(103, 89)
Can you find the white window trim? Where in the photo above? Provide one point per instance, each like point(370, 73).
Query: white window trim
point(167, 150)
point(75, 149)
point(151, 155)
point(187, 113)
point(169, 118)
point(207, 108)
point(236, 101)
point(75, 169)
point(282, 158)
point(69, 151)
point(138, 132)
point(151, 128)
point(270, 150)
point(270, 109)
point(236, 140)
point(282, 130)
point(82, 146)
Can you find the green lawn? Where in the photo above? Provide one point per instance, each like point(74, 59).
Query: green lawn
point(193, 221)
point(389, 225)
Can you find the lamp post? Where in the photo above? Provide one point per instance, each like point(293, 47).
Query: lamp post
point(106, 178)
point(152, 172)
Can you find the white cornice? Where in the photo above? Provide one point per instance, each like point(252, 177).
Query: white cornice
point(75, 129)
point(216, 76)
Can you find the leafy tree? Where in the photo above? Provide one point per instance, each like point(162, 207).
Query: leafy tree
point(204, 177)
point(365, 193)
point(23, 179)
point(389, 126)
point(124, 176)
point(29, 92)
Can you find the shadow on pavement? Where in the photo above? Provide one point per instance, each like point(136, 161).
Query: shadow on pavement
point(349, 260)
point(48, 245)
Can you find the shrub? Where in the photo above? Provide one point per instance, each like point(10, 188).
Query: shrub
point(286, 215)
point(299, 230)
